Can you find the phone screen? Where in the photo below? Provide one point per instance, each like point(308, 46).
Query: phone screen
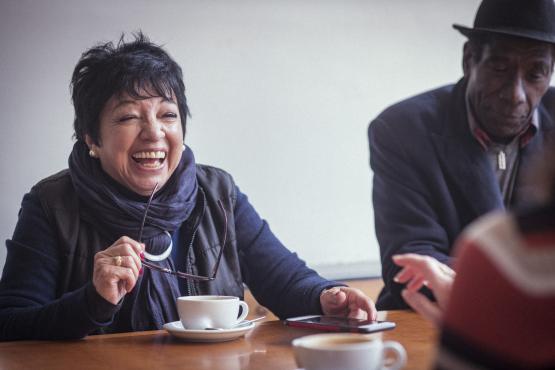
point(334, 320)
point(337, 323)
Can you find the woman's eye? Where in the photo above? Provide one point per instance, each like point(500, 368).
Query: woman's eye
point(170, 115)
point(126, 118)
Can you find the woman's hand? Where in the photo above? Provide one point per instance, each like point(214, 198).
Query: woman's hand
point(418, 271)
point(346, 301)
point(117, 268)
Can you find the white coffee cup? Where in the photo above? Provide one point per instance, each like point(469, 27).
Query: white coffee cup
point(346, 351)
point(210, 311)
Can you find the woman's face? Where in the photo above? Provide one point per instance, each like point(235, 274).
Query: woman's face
point(140, 141)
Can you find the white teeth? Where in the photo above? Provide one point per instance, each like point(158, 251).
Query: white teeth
point(151, 165)
point(149, 155)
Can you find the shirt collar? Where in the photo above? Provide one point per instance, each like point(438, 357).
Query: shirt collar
point(484, 139)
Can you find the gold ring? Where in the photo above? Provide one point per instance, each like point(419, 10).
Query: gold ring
point(118, 260)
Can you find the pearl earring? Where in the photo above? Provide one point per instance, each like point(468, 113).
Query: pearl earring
point(184, 147)
point(92, 153)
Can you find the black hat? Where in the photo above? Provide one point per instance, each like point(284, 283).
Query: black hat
point(531, 19)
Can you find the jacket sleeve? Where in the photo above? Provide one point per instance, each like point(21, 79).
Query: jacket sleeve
point(277, 277)
point(405, 207)
point(30, 305)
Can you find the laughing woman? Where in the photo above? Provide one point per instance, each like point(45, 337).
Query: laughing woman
point(108, 244)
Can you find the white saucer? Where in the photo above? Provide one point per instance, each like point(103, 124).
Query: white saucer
point(221, 335)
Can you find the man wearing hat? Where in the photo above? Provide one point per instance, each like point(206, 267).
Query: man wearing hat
point(448, 156)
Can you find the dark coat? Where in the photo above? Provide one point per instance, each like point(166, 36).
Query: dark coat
point(46, 290)
point(432, 177)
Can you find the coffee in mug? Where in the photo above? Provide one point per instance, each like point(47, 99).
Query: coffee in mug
point(346, 351)
point(211, 311)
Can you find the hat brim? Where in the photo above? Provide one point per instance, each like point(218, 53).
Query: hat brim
point(527, 34)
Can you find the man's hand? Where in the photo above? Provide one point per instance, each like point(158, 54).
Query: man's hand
point(421, 271)
point(346, 301)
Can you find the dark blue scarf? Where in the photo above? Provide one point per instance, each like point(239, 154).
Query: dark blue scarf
point(117, 211)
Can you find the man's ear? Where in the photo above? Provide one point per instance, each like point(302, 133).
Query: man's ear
point(468, 54)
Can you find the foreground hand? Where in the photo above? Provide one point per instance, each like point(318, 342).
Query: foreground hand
point(346, 301)
point(421, 271)
point(117, 268)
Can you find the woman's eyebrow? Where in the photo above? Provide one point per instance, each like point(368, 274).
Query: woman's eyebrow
point(124, 102)
point(168, 100)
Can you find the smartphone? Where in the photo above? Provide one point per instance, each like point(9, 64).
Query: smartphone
point(339, 323)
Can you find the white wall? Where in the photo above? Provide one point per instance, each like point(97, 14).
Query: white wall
point(281, 92)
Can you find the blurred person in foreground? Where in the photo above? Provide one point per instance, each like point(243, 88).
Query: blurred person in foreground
point(448, 156)
point(86, 256)
point(498, 310)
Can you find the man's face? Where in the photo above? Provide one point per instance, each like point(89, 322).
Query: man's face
point(507, 83)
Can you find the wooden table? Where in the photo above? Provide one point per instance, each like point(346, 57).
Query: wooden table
point(267, 347)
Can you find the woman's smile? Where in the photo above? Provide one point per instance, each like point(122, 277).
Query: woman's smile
point(151, 160)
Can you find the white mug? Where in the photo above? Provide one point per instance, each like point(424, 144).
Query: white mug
point(210, 311)
point(346, 351)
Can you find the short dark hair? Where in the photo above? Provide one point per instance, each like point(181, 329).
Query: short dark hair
point(139, 68)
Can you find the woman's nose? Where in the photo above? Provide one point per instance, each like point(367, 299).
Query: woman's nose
point(152, 129)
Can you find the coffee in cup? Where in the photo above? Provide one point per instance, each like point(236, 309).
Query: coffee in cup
point(346, 351)
point(211, 311)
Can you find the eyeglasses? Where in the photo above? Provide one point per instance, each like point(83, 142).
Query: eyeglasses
point(180, 274)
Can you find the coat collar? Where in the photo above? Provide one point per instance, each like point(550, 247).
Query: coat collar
point(530, 154)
